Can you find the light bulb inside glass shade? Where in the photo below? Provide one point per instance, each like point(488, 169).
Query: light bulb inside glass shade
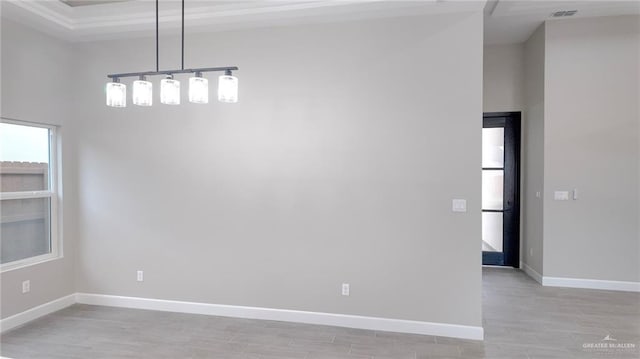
point(228, 88)
point(142, 93)
point(198, 90)
point(170, 91)
point(116, 94)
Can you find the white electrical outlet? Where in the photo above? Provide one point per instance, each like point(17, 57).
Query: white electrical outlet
point(459, 205)
point(140, 276)
point(345, 289)
point(538, 194)
point(561, 195)
point(26, 286)
point(530, 252)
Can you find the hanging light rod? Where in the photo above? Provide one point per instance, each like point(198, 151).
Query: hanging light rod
point(226, 69)
point(169, 87)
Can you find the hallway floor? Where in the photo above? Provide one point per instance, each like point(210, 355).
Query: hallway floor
point(521, 320)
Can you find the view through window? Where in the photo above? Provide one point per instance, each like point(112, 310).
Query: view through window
point(27, 198)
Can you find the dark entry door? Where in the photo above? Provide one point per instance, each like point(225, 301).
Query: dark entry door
point(501, 189)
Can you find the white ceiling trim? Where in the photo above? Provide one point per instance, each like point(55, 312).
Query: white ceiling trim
point(201, 13)
point(53, 11)
point(137, 18)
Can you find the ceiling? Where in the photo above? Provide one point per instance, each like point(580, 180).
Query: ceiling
point(506, 21)
point(513, 21)
point(75, 3)
point(86, 20)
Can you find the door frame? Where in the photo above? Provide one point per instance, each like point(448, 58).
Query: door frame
point(511, 219)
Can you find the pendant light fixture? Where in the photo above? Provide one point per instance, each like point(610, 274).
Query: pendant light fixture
point(142, 92)
point(169, 87)
point(116, 94)
point(228, 88)
point(198, 89)
point(170, 91)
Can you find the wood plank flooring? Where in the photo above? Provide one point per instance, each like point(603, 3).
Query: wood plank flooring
point(521, 319)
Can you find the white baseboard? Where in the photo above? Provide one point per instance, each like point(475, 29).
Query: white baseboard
point(531, 272)
point(36, 312)
point(340, 320)
point(591, 284)
point(579, 282)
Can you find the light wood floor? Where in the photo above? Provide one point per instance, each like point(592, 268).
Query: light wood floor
point(521, 320)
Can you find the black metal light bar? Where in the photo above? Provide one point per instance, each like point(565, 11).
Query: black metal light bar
point(182, 42)
point(157, 40)
point(226, 69)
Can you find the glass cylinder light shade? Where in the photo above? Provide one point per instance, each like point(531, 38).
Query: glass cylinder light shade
point(198, 90)
point(228, 88)
point(142, 93)
point(170, 91)
point(116, 94)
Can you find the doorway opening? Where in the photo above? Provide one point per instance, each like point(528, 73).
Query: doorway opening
point(501, 189)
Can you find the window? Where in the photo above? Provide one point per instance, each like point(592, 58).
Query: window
point(28, 194)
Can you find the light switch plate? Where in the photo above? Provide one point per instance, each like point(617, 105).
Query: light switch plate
point(459, 205)
point(561, 195)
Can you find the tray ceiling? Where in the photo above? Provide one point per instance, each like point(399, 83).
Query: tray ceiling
point(77, 21)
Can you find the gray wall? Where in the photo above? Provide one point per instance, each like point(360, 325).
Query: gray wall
point(533, 150)
point(592, 143)
point(338, 164)
point(36, 86)
point(582, 131)
point(503, 80)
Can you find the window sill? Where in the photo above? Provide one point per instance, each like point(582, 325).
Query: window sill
point(28, 262)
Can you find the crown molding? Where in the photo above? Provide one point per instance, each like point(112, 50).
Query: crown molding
point(52, 11)
point(137, 18)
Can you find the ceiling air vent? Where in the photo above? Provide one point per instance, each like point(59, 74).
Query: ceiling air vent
point(564, 13)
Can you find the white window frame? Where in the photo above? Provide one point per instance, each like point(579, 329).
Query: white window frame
point(53, 193)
